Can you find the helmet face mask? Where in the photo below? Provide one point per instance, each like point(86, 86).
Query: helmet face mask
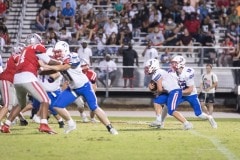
point(151, 66)
point(61, 49)
point(178, 62)
point(19, 48)
point(33, 39)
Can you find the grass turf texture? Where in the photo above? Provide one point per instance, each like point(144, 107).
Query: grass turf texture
point(136, 140)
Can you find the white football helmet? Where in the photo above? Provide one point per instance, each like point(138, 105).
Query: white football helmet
point(33, 39)
point(151, 66)
point(181, 61)
point(61, 49)
point(19, 48)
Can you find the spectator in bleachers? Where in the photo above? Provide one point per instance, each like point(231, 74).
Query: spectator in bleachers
point(91, 30)
point(40, 23)
point(188, 8)
point(3, 10)
point(208, 40)
point(226, 54)
point(233, 17)
point(165, 59)
point(46, 4)
point(208, 24)
point(112, 41)
point(203, 10)
point(170, 25)
point(222, 3)
point(74, 41)
point(67, 14)
point(193, 25)
point(155, 16)
point(107, 66)
point(233, 33)
point(156, 37)
point(52, 38)
point(182, 18)
point(5, 34)
point(149, 53)
point(80, 27)
point(53, 24)
point(185, 40)
point(103, 2)
point(173, 38)
point(100, 41)
point(73, 4)
point(125, 31)
point(222, 16)
point(101, 17)
point(110, 27)
point(236, 63)
point(118, 7)
point(85, 52)
point(53, 11)
point(86, 10)
point(64, 34)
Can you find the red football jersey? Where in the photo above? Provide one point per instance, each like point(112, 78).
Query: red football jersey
point(28, 60)
point(10, 68)
point(92, 76)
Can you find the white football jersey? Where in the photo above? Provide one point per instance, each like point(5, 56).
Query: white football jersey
point(74, 75)
point(169, 83)
point(50, 86)
point(185, 79)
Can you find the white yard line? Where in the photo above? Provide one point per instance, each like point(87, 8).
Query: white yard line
point(219, 146)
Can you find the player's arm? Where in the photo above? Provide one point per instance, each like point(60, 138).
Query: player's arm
point(60, 67)
point(188, 90)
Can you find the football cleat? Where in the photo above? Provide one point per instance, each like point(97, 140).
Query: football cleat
point(45, 128)
point(70, 128)
point(85, 120)
point(212, 122)
point(23, 122)
point(113, 131)
point(156, 124)
point(5, 129)
point(61, 124)
point(187, 126)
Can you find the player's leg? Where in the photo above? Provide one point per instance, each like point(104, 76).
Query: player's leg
point(91, 99)
point(38, 92)
point(64, 100)
point(80, 106)
point(21, 96)
point(174, 99)
point(158, 101)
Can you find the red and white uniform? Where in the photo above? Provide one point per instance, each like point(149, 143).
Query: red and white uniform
point(6, 82)
point(25, 79)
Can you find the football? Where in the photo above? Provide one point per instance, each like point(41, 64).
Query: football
point(153, 85)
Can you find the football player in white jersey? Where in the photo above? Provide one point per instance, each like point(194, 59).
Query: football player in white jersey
point(168, 89)
point(185, 78)
point(79, 85)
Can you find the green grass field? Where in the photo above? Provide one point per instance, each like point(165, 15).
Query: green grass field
point(136, 141)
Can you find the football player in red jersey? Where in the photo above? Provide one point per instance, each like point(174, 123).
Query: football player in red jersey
point(26, 81)
point(6, 83)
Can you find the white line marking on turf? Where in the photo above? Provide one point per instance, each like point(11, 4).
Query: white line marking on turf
point(220, 147)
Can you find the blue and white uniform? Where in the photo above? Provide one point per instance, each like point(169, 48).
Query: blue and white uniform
point(79, 85)
point(173, 94)
point(186, 79)
point(52, 87)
